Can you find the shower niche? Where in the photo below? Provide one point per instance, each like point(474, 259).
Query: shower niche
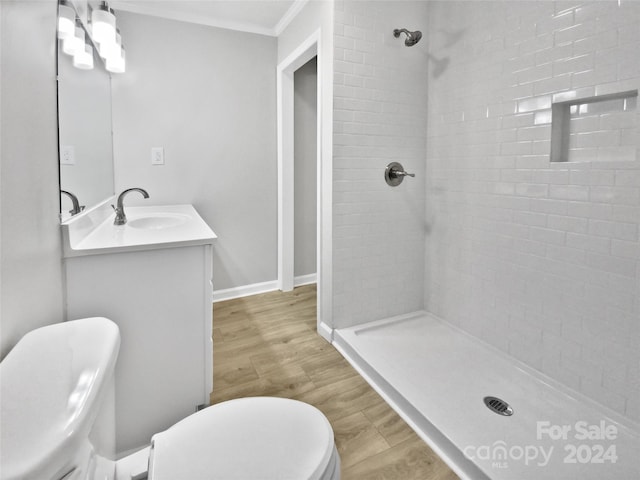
point(599, 128)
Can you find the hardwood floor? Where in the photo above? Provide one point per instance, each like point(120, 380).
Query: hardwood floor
point(267, 345)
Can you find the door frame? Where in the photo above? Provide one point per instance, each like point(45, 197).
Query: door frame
point(305, 51)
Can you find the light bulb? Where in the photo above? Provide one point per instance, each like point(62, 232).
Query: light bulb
point(74, 43)
point(103, 23)
point(111, 49)
point(83, 59)
point(116, 64)
point(66, 20)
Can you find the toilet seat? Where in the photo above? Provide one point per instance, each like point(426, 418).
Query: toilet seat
point(256, 438)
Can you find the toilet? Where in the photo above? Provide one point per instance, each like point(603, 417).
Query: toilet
point(57, 411)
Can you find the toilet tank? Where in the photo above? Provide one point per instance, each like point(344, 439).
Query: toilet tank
point(57, 402)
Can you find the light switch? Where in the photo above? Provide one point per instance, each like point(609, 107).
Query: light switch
point(157, 156)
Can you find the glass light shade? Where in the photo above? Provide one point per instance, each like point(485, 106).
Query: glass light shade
point(74, 43)
point(116, 64)
point(66, 21)
point(111, 49)
point(103, 24)
point(83, 59)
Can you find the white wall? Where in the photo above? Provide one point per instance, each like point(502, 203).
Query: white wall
point(208, 96)
point(540, 259)
point(380, 113)
point(305, 168)
point(30, 259)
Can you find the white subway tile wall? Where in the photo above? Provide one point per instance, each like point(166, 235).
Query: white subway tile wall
point(380, 116)
point(604, 130)
point(539, 258)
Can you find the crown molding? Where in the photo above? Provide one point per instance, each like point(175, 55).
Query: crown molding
point(155, 9)
point(288, 16)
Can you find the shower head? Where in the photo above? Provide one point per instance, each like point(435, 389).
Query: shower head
point(412, 37)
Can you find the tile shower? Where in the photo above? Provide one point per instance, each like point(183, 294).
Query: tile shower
point(522, 226)
point(539, 258)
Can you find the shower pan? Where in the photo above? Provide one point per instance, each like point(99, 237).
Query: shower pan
point(439, 382)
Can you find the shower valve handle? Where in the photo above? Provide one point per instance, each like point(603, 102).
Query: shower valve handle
point(396, 170)
point(394, 174)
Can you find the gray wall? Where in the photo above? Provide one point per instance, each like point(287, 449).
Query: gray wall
point(30, 259)
point(206, 95)
point(305, 176)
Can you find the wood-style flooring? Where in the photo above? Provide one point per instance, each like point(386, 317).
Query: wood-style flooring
point(268, 345)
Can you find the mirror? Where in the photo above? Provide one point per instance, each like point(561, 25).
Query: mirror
point(85, 133)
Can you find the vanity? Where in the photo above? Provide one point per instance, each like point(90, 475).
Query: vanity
point(152, 277)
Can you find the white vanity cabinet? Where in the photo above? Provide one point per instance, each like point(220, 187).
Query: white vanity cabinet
point(160, 296)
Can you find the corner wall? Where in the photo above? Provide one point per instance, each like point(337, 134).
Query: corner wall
point(540, 259)
point(31, 286)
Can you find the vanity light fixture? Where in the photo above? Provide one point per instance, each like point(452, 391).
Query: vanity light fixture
point(103, 23)
point(66, 20)
point(101, 30)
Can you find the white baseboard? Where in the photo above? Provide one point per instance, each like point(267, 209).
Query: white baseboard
point(257, 288)
point(305, 280)
point(325, 332)
point(244, 291)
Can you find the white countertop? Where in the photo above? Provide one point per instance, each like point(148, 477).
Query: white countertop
point(92, 235)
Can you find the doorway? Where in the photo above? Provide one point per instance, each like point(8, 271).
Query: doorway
point(305, 178)
point(307, 50)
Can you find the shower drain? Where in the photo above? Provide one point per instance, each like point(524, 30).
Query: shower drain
point(498, 406)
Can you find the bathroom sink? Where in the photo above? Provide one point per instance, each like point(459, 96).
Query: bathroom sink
point(157, 221)
point(147, 228)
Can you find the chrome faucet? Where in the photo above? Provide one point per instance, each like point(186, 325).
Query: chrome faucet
point(121, 218)
point(77, 208)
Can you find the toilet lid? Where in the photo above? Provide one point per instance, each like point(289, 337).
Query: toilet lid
point(256, 438)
